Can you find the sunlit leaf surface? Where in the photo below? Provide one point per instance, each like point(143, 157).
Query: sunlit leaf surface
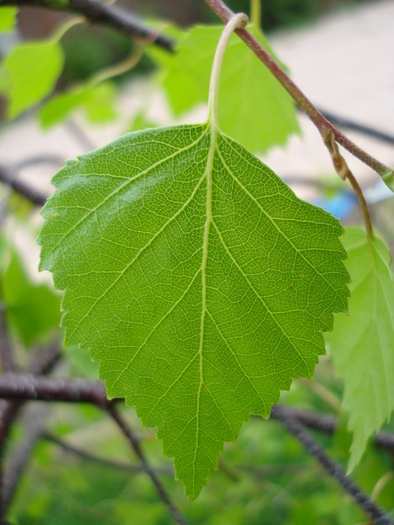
point(198, 280)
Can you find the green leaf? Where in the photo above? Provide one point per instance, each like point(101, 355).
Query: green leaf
point(82, 361)
point(254, 108)
point(4, 81)
point(363, 342)
point(97, 101)
point(61, 106)
point(33, 70)
point(7, 19)
point(33, 310)
point(100, 108)
point(198, 280)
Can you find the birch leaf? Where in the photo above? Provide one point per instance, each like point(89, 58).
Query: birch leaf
point(196, 277)
point(8, 19)
point(33, 70)
point(363, 342)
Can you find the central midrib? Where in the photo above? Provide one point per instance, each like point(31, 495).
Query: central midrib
point(208, 175)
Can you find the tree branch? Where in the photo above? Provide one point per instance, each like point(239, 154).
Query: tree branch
point(100, 13)
point(178, 518)
point(322, 124)
point(334, 470)
point(28, 387)
point(24, 387)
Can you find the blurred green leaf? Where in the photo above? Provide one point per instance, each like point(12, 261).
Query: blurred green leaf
point(362, 343)
point(97, 101)
point(81, 359)
point(141, 122)
point(7, 19)
point(101, 107)
point(33, 70)
point(60, 107)
point(4, 81)
point(254, 108)
point(33, 310)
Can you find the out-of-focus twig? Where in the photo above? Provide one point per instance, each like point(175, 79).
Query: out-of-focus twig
point(295, 427)
point(134, 442)
point(7, 362)
point(41, 364)
point(28, 191)
point(17, 464)
point(101, 13)
point(119, 465)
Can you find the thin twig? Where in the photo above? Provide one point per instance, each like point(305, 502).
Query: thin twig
point(103, 461)
point(19, 460)
point(7, 362)
point(42, 364)
point(35, 160)
point(323, 125)
point(328, 424)
point(178, 518)
point(32, 194)
point(350, 124)
point(100, 13)
point(257, 471)
point(334, 470)
point(79, 135)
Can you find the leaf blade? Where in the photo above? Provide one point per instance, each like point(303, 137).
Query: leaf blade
point(8, 19)
point(362, 343)
point(171, 269)
point(37, 65)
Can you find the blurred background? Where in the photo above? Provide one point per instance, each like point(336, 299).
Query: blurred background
point(340, 54)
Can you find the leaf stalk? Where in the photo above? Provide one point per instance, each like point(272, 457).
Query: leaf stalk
point(236, 22)
point(255, 14)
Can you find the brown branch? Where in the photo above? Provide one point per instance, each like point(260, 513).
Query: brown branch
point(28, 387)
point(103, 14)
point(322, 124)
point(334, 470)
point(134, 442)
